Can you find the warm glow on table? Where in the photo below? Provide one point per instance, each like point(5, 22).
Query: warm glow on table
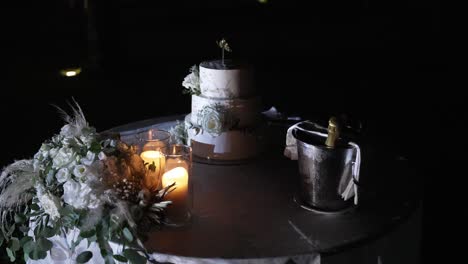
point(157, 158)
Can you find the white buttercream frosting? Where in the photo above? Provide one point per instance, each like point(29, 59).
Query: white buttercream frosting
point(219, 82)
point(226, 113)
point(245, 111)
point(229, 145)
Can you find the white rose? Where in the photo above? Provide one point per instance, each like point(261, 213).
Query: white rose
point(62, 175)
point(212, 120)
point(89, 159)
point(80, 171)
point(80, 195)
point(68, 131)
point(191, 81)
point(85, 191)
point(64, 157)
point(71, 191)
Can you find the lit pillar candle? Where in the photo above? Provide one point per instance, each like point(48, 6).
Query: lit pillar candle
point(178, 210)
point(156, 158)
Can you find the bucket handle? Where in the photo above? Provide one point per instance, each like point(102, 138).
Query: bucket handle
point(317, 126)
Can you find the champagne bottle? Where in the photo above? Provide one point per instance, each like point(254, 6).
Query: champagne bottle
point(333, 133)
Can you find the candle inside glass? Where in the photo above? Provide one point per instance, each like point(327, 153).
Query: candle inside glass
point(177, 172)
point(155, 163)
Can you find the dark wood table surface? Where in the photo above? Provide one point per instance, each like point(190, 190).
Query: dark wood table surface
point(247, 210)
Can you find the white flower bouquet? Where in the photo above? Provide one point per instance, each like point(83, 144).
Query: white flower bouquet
point(191, 82)
point(79, 180)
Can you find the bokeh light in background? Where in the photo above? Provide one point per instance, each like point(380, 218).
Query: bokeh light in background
point(70, 72)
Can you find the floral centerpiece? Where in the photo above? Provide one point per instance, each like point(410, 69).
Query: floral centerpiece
point(79, 180)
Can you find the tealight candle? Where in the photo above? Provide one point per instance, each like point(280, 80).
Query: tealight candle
point(156, 158)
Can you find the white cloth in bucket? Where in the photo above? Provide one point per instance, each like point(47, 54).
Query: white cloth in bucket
point(290, 151)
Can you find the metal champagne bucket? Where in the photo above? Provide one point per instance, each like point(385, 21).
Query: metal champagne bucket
point(324, 172)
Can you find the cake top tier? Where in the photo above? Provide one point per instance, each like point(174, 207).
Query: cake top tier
point(228, 80)
point(227, 65)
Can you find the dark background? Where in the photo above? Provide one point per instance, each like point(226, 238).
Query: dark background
point(381, 62)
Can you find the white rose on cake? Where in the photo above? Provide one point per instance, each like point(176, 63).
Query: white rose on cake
point(215, 119)
point(212, 121)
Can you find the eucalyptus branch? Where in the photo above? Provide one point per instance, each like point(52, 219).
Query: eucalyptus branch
point(224, 47)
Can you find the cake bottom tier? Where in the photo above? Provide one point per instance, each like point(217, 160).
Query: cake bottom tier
point(230, 145)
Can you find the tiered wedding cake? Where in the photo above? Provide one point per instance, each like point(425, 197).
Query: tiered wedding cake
point(225, 113)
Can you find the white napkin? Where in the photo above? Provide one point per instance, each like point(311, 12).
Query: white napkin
point(351, 189)
point(290, 151)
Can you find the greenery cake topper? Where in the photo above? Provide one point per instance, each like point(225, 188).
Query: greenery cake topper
point(83, 181)
point(224, 47)
point(191, 82)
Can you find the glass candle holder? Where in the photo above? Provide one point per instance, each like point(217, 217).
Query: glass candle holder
point(152, 145)
point(178, 171)
point(153, 139)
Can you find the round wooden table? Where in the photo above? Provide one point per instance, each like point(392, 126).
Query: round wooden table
point(247, 210)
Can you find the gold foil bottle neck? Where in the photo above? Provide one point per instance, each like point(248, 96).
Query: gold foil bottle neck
point(333, 132)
